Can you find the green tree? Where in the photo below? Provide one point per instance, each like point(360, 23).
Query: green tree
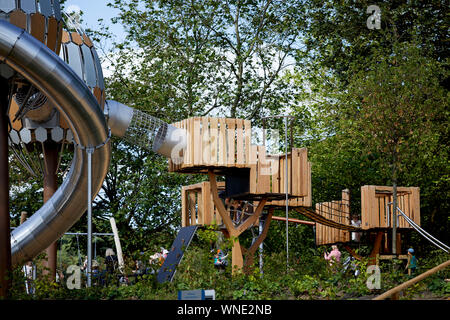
point(207, 57)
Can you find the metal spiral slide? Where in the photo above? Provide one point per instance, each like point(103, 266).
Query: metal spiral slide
point(91, 130)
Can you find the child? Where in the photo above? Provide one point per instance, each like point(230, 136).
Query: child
point(411, 265)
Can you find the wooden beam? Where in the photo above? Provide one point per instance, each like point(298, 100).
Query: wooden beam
point(409, 283)
point(219, 204)
point(250, 253)
point(310, 223)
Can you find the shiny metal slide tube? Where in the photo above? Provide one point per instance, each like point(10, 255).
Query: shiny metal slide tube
point(143, 130)
point(51, 75)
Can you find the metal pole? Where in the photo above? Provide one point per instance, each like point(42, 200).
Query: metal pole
point(286, 186)
point(5, 240)
point(261, 225)
point(394, 220)
point(89, 151)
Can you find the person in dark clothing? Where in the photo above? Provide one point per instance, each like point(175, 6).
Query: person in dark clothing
point(111, 262)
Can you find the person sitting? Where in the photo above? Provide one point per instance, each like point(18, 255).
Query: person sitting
point(220, 261)
point(334, 256)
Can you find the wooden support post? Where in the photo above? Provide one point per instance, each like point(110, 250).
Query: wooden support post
point(376, 248)
point(50, 150)
point(237, 259)
point(5, 236)
point(250, 254)
point(233, 232)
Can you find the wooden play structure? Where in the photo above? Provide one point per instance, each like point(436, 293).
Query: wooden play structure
point(338, 211)
point(257, 181)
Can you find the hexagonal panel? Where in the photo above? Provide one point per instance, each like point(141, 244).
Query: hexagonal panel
point(14, 136)
point(25, 135)
point(69, 136)
point(57, 134)
point(41, 134)
point(7, 5)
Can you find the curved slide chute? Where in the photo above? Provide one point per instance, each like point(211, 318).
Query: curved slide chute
point(51, 75)
point(91, 128)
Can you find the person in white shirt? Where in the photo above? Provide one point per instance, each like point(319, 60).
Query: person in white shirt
point(356, 236)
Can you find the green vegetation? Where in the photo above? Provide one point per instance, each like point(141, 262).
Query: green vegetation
point(309, 277)
point(372, 106)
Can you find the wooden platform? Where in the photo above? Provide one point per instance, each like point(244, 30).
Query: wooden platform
point(374, 200)
point(223, 145)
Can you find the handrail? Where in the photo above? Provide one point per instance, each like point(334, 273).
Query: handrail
point(425, 234)
point(409, 283)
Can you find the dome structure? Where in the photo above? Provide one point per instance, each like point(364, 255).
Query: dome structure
point(33, 117)
point(41, 18)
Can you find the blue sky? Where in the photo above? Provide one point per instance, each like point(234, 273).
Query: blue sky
point(94, 10)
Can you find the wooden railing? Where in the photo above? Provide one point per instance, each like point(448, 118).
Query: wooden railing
point(197, 206)
point(337, 211)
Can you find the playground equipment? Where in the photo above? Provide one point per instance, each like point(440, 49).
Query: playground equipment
point(218, 146)
point(63, 101)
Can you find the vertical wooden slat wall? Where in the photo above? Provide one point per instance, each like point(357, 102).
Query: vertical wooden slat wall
point(338, 211)
point(197, 206)
point(215, 142)
point(375, 199)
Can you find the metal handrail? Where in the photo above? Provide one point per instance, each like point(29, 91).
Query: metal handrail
point(425, 234)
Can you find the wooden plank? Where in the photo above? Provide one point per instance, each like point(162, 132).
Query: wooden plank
point(282, 171)
point(184, 209)
point(303, 171)
point(382, 208)
point(364, 213)
point(318, 229)
point(206, 141)
point(308, 198)
point(192, 212)
point(262, 179)
point(19, 19)
point(37, 22)
point(240, 143)
point(222, 142)
point(295, 159)
point(187, 155)
point(408, 208)
point(253, 168)
point(416, 192)
point(197, 142)
point(231, 141)
point(276, 175)
point(214, 135)
point(248, 139)
point(200, 211)
point(52, 33)
point(193, 137)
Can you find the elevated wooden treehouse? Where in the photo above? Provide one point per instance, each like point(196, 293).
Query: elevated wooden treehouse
point(222, 147)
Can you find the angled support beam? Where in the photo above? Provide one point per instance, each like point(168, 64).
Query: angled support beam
point(250, 253)
point(234, 232)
